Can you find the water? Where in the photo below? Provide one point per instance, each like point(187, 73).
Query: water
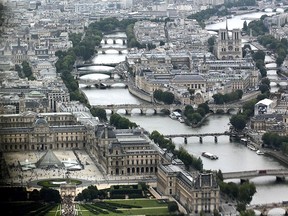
point(232, 156)
point(237, 21)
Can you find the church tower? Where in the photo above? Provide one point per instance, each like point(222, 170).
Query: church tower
point(228, 47)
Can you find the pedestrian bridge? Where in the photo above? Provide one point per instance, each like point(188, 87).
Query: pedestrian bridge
point(280, 174)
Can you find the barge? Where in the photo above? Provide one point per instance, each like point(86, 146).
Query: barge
point(209, 155)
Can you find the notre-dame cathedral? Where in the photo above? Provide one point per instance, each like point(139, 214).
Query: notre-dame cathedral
point(228, 46)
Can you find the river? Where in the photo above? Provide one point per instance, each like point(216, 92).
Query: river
point(233, 156)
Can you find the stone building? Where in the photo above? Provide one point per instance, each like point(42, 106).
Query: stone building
point(32, 131)
point(196, 193)
point(274, 123)
point(125, 152)
point(228, 47)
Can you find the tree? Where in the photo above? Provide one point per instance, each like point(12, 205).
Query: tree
point(265, 81)
point(238, 121)
point(264, 88)
point(50, 195)
point(246, 192)
point(172, 206)
point(245, 26)
point(205, 107)
point(194, 118)
point(259, 55)
point(211, 43)
point(168, 97)
point(100, 113)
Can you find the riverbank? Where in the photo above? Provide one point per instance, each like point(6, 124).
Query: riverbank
point(277, 155)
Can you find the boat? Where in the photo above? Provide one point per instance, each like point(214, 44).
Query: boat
point(251, 147)
point(209, 155)
point(175, 115)
point(244, 141)
point(181, 120)
point(258, 152)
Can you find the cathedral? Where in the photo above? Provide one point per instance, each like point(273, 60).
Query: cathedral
point(228, 46)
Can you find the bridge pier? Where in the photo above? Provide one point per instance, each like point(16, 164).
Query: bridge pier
point(120, 52)
point(215, 139)
point(185, 140)
point(114, 41)
point(105, 41)
point(103, 52)
point(242, 181)
point(200, 139)
point(280, 178)
point(124, 42)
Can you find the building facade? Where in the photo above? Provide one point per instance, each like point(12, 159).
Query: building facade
point(228, 47)
point(125, 152)
point(196, 193)
point(32, 131)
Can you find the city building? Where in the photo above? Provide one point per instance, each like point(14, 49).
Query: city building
point(228, 47)
point(265, 106)
point(125, 152)
point(30, 131)
point(196, 193)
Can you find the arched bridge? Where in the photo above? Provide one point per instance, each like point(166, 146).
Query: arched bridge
point(94, 64)
point(158, 108)
point(104, 49)
point(200, 135)
point(108, 82)
point(246, 175)
point(225, 107)
point(114, 38)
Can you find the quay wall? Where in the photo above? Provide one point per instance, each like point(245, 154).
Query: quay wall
point(140, 94)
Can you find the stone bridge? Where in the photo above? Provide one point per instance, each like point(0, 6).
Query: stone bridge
point(225, 107)
point(104, 49)
point(158, 108)
point(108, 82)
point(246, 175)
point(114, 38)
point(185, 136)
point(265, 208)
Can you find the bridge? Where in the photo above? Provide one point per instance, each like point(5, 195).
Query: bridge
point(158, 108)
point(107, 82)
point(265, 208)
point(104, 49)
point(283, 82)
point(185, 136)
point(114, 38)
point(246, 175)
point(94, 64)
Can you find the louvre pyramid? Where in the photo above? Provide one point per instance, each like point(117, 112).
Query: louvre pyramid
point(49, 159)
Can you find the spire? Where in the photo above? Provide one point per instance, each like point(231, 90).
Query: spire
point(227, 32)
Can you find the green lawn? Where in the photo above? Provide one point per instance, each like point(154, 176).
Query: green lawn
point(139, 202)
point(55, 211)
point(149, 207)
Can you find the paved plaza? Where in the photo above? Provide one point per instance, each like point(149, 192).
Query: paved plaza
point(18, 175)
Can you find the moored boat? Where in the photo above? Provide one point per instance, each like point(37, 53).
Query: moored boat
point(251, 147)
point(258, 152)
point(175, 115)
point(209, 155)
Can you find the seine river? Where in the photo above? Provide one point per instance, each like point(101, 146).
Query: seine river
point(232, 156)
